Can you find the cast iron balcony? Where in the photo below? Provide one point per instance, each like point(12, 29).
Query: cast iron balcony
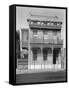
point(46, 40)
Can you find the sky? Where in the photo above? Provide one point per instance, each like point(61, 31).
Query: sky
point(23, 13)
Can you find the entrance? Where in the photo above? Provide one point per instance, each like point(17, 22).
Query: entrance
point(56, 52)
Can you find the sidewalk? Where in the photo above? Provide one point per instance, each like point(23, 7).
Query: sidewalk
point(38, 71)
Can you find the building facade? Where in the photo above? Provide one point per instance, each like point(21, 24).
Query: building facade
point(41, 45)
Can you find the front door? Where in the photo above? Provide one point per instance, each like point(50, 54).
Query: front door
point(55, 54)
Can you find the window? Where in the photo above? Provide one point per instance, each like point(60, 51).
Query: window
point(45, 32)
point(24, 35)
point(34, 54)
point(51, 23)
point(45, 52)
point(35, 32)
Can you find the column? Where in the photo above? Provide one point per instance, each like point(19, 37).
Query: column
point(49, 58)
point(42, 62)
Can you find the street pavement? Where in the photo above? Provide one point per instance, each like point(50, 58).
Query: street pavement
point(41, 77)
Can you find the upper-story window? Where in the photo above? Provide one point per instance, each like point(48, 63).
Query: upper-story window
point(35, 32)
point(54, 33)
point(55, 23)
point(45, 32)
point(24, 35)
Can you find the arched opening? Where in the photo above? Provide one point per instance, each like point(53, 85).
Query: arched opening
point(46, 52)
point(35, 52)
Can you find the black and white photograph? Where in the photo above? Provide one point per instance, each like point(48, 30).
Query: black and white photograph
point(34, 44)
point(40, 44)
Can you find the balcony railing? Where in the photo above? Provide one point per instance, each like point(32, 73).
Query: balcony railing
point(36, 40)
point(46, 40)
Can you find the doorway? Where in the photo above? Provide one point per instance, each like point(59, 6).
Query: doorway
point(56, 52)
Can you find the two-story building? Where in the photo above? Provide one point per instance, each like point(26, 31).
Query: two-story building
point(41, 44)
